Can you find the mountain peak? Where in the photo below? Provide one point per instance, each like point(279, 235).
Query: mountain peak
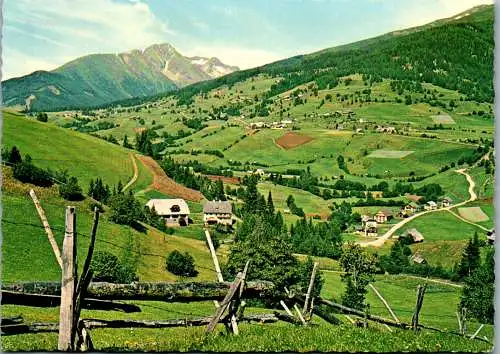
point(102, 78)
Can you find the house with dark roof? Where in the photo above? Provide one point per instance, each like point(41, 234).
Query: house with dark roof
point(175, 212)
point(383, 216)
point(446, 202)
point(218, 212)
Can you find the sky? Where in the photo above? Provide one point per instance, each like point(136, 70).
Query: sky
point(44, 34)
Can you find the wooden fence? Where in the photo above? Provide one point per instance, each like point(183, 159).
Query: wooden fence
point(75, 292)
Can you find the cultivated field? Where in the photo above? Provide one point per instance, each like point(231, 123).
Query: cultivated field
point(389, 154)
point(474, 214)
point(443, 119)
point(291, 140)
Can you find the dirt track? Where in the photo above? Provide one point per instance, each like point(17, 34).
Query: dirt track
point(136, 173)
point(164, 184)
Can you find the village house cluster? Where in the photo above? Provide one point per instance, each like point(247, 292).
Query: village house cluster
point(176, 212)
point(370, 223)
point(273, 125)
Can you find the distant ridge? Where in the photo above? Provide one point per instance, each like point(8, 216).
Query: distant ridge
point(101, 78)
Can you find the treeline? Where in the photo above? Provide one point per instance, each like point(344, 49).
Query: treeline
point(25, 171)
point(184, 175)
point(198, 167)
point(343, 188)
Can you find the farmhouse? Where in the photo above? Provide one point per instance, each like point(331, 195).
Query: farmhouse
point(446, 202)
point(258, 125)
point(414, 234)
point(371, 228)
point(383, 216)
point(389, 130)
point(218, 212)
point(418, 259)
point(175, 212)
point(410, 208)
point(431, 205)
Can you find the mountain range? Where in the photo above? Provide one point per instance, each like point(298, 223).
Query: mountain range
point(454, 53)
point(101, 78)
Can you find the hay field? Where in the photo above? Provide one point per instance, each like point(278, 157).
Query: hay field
point(443, 119)
point(474, 214)
point(390, 154)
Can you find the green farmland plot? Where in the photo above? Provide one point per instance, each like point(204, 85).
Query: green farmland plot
point(439, 306)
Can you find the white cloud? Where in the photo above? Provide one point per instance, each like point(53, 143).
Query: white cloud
point(244, 58)
point(81, 27)
point(15, 64)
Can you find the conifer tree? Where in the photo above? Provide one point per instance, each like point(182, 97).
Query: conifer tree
point(470, 258)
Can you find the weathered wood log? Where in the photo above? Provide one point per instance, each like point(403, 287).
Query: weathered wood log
point(35, 300)
point(185, 322)
point(168, 292)
point(11, 320)
point(362, 314)
point(28, 328)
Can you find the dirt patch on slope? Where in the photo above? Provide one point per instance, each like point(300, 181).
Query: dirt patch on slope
point(230, 180)
point(164, 184)
point(291, 140)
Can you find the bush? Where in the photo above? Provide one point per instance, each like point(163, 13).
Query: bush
point(181, 264)
point(42, 117)
point(26, 172)
point(125, 209)
point(71, 190)
point(14, 156)
point(108, 268)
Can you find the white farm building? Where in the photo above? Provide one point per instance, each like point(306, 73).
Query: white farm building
point(175, 212)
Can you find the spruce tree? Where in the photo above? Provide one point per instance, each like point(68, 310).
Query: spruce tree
point(479, 290)
point(470, 258)
point(270, 204)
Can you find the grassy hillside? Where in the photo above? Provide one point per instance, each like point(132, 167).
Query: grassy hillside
point(25, 246)
point(82, 155)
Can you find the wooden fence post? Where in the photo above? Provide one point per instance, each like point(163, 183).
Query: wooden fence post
point(420, 298)
point(477, 332)
point(47, 228)
point(233, 289)
point(463, 319)
point(68, 283)
point(309, 290)
point(386, 304)
point(84, 340)
point(234, 323)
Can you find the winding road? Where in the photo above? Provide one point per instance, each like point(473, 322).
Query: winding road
point(135, 176)
point(473, 196)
